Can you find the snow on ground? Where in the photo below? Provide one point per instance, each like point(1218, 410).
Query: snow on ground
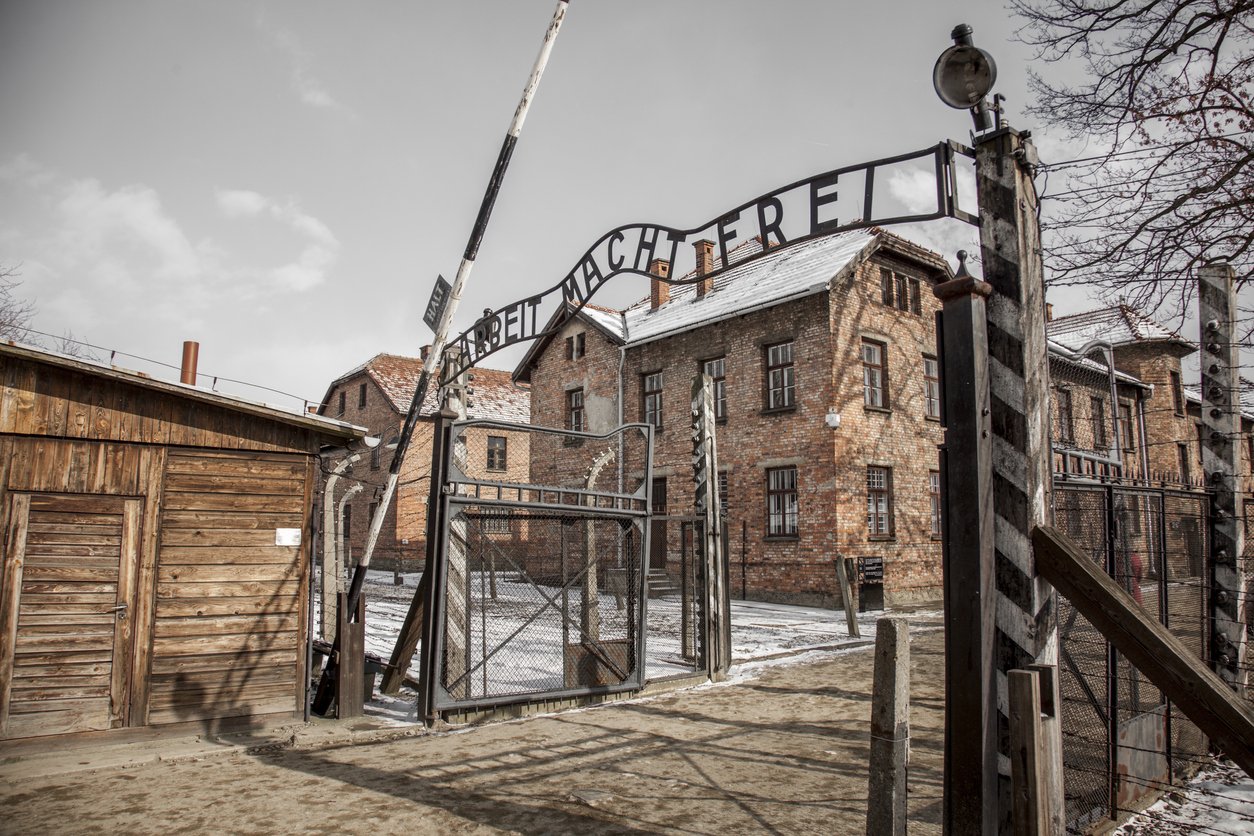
point(763, 635)
point(1219, 799)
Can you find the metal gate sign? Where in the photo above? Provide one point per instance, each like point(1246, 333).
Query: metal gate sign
point(835, 201)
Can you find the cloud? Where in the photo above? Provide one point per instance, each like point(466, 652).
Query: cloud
point(235, 203)
point(311, 90)
point(96, 222)
point(321, 248)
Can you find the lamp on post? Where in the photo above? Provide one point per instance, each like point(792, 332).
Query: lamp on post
point(963, 76)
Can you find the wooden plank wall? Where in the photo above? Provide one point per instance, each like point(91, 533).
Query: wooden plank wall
point(43, 400)
point(230, 607)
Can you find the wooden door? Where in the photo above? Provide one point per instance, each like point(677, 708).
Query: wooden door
point(657, 533)
point(66, 613)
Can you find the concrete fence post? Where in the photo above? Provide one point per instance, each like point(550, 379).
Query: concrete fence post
point(890, 730)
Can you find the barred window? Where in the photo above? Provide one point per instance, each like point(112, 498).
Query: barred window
point(931, 387)
point(722, 492)
point(574, 410)
point(495, 523)
point(879, 502)
point(1182, 454)
point(1066, 416)
point(575, 346)
point(361, 396)
point(343, 399)
point(497, 452)
point(780, 376)
point(903, 301)
point(716, 369)
point(1097, 413)
point(886, 286)
point(1177, 393)
point(874, 374)
point(651, 392)
point(781, 502)
point(1125, 427)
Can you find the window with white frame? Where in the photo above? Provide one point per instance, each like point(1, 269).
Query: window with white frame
point(879, 502)
point(781, 502)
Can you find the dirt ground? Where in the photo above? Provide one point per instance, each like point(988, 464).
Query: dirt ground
point(783, 749)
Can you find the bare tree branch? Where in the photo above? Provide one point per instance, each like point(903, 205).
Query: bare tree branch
point(1166, 93)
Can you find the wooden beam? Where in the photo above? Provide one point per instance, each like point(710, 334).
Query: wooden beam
point(1183, 678)
point(1027, 794)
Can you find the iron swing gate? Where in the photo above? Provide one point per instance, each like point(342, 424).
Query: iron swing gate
point(539, 583)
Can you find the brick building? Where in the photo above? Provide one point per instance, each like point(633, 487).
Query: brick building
point(827, 390)
point(377, 395)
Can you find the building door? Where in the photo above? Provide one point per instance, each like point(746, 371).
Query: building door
point(66, 620)
point(657, 528)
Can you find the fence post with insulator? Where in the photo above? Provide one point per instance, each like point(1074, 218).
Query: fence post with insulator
point(1221, 463)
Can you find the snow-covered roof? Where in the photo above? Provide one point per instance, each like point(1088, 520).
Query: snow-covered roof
point(1118, 325)
point(494, 395)
point(1058, 351)
point(791, 273)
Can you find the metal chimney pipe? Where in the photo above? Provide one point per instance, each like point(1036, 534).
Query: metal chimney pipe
point(191, 352)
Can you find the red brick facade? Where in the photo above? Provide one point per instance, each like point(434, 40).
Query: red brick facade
point(795, 439)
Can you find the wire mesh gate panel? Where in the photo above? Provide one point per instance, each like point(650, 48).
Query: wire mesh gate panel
point(539, 588)
point(1121, 738)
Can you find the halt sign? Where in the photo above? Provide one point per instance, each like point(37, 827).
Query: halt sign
point(437, 303)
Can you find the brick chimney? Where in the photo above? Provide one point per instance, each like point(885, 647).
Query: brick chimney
point(705, 266)
point(659, 292)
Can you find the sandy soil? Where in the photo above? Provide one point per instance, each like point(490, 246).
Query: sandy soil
point(782, 750)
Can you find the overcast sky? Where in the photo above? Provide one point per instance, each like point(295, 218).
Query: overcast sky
point(283, 181)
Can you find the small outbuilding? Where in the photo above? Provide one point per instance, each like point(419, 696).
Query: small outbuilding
point(156, 553)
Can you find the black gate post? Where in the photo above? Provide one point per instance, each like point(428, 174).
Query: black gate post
point(970, 778)
point(1010, 245)
point(430, 612)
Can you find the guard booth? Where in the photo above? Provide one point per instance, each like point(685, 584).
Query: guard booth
point(156, 552)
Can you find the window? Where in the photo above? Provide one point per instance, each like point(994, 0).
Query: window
point(346, 525)
point(874, 374)
point(781, 502)
point(371, 510)
point(1201, 445)
point(1125, 427)
point(934, 496)
point(722, 492)
point(497, 452)
point(1097, 415)
point(931, 387)
point(343, 400)
point(495, 523)
point(361, 396)
point(1177, 393)
point(716, 369)
point(1182, 453)
point(575, 346)
point(900, 291)
point(780, 379)
point(1066, 416)
point(651, 393)
point(574, 410)
point(374, 458)
point(879, 502)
